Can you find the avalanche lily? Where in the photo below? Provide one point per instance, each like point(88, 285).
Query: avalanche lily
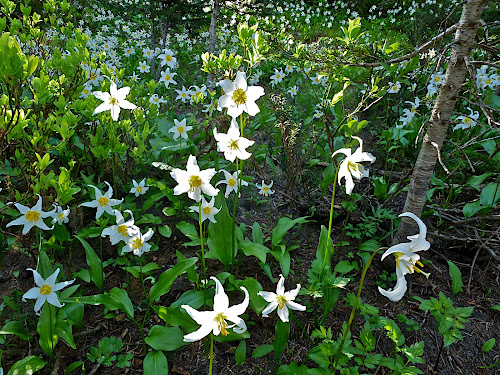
point(180, 129)
point(45, 288)
point(139, 188)
point(281, 300)
point(351, 167)
point(113, 101)
point(265, 189)
point(407, 259)
point(138, 243)
point(103, 203)
point(231, 180)
point(216, 321)
point(123, 230)
point(239, 97)
point(193, 181)
point(208, 211)
point(231, 144)
point(32, 217)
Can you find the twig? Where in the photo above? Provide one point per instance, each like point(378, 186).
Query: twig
point(439, 157)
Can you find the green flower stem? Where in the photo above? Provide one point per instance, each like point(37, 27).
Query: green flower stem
point(270, 212)
point(180, 146)
point(301, 326)
point(235, 206)
point(211, 353)
point(203, 265)
point(331, 221)
point(354, 308)
point(102, 268)
point(339, 251)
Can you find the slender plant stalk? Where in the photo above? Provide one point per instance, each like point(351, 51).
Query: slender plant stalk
point(211, 354)
point(203, 266)
point(330, 222)
point(301, 327)
point(354, 308)
point(339, 251)
point(235, 206)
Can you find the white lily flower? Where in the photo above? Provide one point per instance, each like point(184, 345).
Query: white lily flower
point(239, 97)
point(180, 129)
point(208, 211)
point(139, 188)
point(193, 181)
point(123, 230)
point(32, 217)
point(281, 300)
point(265, 189)
point(231, 144)
point(465, 122)
point(407, 259)
point(45, 288)
point(113, 101)
point(216, 321)
point(137, 244)
point(350, 166)
point(231, 180)
point(103, 203)
point(60, 216)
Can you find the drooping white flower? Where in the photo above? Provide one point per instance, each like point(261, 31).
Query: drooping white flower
point(123, 230)
point(167, 58)
point(60, 216)
point(239, 97)
point(113, 101)
point(180, 129)
point(208, 211)
point(465, 122)
point(103, 203)
point(137, 244)
point(407, 259)
point(45, 289)
point(194, 181)
point(351, 167)
point(32, 217)
point(231, 180)
point(281, 300)
point(265, 189)
point(216, 321)
point(139, 188)
point(231, 144)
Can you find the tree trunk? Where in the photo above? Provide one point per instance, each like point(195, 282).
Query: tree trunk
point(440, 117)
point(213, 34)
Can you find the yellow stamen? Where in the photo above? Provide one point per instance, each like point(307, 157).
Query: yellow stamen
point(281, 301)
point(180, 129)
point(239, 97)
point(233, 144)
point(265, 190)
point(167, 78)
point(352, 167)
point(113, 101)
point(45, 290)
point(137, 243)
point(32, 216)
point(139, 189)
point(168, 58)
point(60, 217)
point(206, 210)
point(231, 182)
point(122, 229)
point(194, 182)
point(220, 319)
point(103, 201)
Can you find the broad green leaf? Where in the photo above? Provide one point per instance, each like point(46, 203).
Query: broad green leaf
point(220, 235)
point(456, 277)
point(257, 303)
point(155, 363)
point(46, 329)
point(95, 264)
point(165, 338)
point(262, 350)
point(27, 366)
point(117, 299)
point(176, 317)
point(241, 352)
point(15, 328)
point(257, 236)
point(283, 226)
point(256, 249)
point(281, 335)
point(167, 278)
point(490, 195)
point(293, 369)
point(488, 345)
point(472, 208)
